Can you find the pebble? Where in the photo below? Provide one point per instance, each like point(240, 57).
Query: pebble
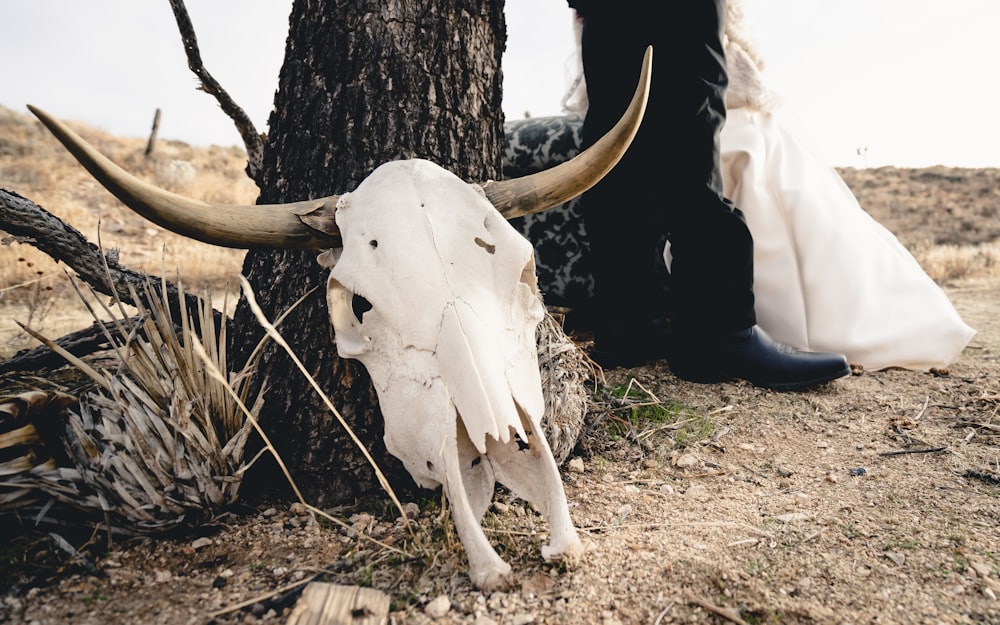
point(981, 568)
point(989, 594)
point(439, 607)
point(201, 543)
point(697, 492)
point(686, 461)
point(162, 576)
point(575, 465)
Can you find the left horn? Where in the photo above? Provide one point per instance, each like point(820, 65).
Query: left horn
point(551, 187)
point(266, 225)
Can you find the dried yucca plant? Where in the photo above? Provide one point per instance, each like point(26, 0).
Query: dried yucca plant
point(158, 442)
point(564, 369)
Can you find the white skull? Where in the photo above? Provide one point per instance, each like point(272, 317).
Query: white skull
point(434, 293)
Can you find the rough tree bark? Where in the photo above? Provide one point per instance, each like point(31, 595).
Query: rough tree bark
point(363, 82)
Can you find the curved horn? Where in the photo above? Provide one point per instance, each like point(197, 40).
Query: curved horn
point(266, 225)
point(536, 192)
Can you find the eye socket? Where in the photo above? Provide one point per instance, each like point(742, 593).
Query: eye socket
point(359, 306)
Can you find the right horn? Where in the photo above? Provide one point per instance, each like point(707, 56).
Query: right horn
point(542, 190)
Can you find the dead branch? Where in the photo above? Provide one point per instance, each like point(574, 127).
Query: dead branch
point(730, 614)
point(252, 140)
point(79, 343)
point(901, 452)
point(29, 223)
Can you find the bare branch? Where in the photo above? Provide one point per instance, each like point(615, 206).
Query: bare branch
point(252, 140)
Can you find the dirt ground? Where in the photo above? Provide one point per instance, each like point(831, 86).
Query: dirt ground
point(875, 499)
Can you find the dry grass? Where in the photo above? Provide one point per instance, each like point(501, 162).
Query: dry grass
point(33, 164)
point(34, 288)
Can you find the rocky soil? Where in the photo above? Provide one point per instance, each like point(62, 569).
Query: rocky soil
point(875, 499)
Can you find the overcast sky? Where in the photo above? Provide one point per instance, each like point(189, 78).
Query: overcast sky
point(909, 83)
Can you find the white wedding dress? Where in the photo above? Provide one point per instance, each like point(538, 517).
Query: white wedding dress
point(827, 276)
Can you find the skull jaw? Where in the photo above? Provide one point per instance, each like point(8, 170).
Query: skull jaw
point(468, 479)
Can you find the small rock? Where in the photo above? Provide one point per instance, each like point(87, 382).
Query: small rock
point(792, 517)
point(822, 444)
point(522, 619)
point(575, 465)
point(832, 478)
point(439, 607)
point(898, 558)
point(537, 585)
point(226, 573)
point(501, 507)
point(981, 568)
point(686, 461)
point(269, 512)
point(219, 582)
point(650, 463)
point(484, 620)
point(298, 509)
point(697, 492)
point(162, 576)
point(989, 594)
point(411, 510)
point(858, 471)
point(631, 489)
point(201, 543)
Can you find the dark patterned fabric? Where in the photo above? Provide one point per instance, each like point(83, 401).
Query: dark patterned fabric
point(562, 254)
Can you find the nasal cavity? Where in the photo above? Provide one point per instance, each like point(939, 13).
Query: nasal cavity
point(360, 306)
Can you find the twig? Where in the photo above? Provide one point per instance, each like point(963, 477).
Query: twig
point(900, 452)
point(663, 612)
point(727, 613)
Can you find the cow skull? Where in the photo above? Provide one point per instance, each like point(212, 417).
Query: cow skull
point(434, 293)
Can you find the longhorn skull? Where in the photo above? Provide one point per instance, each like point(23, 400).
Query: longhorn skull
point(435, 293)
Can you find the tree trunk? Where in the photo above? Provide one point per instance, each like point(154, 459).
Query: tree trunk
point(363, 82)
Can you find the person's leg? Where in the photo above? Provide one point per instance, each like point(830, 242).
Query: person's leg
point(669, 184)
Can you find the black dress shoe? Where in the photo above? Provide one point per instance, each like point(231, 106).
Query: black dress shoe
point(753, 356)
